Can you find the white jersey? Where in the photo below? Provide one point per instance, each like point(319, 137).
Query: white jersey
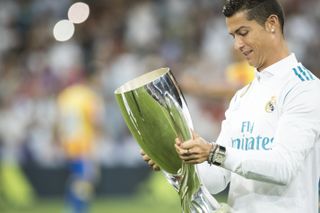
point(272, 135)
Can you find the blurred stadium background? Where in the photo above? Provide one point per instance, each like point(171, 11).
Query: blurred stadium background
point(114, 40)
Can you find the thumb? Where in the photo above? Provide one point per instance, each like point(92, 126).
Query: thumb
point(194, 134)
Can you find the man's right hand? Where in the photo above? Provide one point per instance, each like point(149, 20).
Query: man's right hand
point(150, 162)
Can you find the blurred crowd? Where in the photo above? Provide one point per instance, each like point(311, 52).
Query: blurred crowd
point(120, 40)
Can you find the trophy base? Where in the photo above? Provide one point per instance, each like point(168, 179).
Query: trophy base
point(200, 202)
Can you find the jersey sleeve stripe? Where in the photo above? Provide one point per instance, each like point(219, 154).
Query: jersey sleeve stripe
point(303, 73)
point(297, 74)
point(308, 71)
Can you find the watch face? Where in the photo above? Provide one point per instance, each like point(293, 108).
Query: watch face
point(219, 155)
point(219, 159)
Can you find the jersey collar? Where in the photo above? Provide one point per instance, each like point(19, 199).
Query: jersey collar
point(277, 69)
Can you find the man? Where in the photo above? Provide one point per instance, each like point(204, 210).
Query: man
point(80, 109)
point(268, 147)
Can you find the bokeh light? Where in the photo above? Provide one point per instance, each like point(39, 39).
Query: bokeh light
point(78, 12)
point(63, 30)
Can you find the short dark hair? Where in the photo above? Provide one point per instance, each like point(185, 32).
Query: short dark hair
point(258, 10)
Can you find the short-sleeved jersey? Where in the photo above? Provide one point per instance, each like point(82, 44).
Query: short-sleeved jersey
point(78, 108)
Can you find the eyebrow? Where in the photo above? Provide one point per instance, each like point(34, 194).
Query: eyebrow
point(237, 30)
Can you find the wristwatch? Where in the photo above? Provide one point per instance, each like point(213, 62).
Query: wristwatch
point(219, 155)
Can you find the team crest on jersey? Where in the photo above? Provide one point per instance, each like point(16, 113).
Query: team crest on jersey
point(270, 106)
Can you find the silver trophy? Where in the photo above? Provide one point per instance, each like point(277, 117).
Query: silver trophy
point(156, 113)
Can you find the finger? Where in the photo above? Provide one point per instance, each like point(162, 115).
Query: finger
point(188, 144)
point(186, 158)
point(142, 152)
point(177, 148)
point(151, 163)
point(186, 152)
point(194, 134)
point(146, 158)
point(178, 141)
point(189, 158)
point(156, 168)
point(195, 159)
point(192, 161)
point(182, 152)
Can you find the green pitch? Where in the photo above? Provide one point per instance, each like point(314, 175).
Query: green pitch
point(155, 195)
point(103, 205)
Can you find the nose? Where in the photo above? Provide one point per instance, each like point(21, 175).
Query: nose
point(238, 43)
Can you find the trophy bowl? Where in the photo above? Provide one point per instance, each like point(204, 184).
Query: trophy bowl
point(156, 113)
point(148, 106)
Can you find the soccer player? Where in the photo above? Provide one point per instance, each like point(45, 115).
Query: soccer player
point(268, 148)
point(80, 108)
point(269, 145)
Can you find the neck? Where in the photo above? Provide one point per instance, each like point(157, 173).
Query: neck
point(282, 51)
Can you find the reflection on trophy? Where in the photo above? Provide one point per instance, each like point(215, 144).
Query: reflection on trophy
point(156, 113)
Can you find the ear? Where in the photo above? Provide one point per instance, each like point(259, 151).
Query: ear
point(272, 24)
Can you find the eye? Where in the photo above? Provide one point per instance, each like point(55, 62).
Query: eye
point(243, 33)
